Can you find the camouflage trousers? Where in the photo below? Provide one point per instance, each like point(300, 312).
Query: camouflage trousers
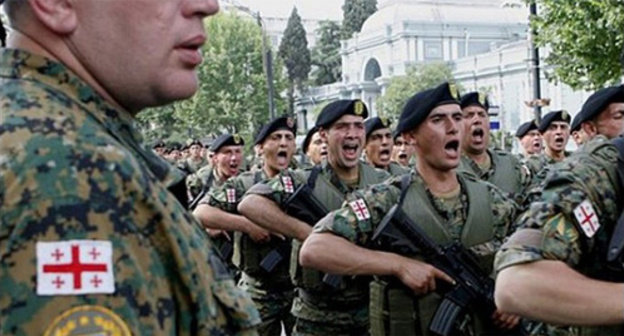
point(274, 307)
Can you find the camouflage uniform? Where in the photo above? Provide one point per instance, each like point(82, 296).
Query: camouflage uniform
point(506, 172)
point(271, 292)
point(396, 169)
point(72, 167)
point(550, 230)
point(378, 199)
point(191, 166)
point(325, 311)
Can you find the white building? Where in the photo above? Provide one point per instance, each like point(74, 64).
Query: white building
point(484, 42)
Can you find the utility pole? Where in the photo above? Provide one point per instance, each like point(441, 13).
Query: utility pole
point(267, 58)
point(535, 67)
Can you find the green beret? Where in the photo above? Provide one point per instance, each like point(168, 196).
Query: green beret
point(335, 110)
point(421, 104)
point(475, 99)
point(226, 140)
point(553, 116)
point(526, 128)
point(375, 123)
point(279, 123)
point(599, 101)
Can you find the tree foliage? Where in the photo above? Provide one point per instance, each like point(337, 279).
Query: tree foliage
point(232, 95)
point(586, 38)
point(294, 51)
point(326, 54)
point(354, 13)
point(417, 78)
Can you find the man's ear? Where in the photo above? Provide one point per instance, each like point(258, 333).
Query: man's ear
point(58, 15)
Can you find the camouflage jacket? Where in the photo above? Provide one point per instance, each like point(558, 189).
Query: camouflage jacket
point(571, 217)
point(191, 166)
point(202, 181)
point(90, 238)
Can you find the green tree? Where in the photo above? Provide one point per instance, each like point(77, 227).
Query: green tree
point(586, 38)
point(232, 95)
point(354, 13)
point(326, 54)
point(294, 51)
point(417, 78)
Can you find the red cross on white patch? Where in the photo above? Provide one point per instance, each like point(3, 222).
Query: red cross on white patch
point(360, 209)
point(75, 267)
point(288, 184)
point(586, 216)
point(231, 195)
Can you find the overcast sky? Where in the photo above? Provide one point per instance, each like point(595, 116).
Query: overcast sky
point(308, 9)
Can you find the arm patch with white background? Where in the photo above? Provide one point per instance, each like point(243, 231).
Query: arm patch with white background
point(75, 267)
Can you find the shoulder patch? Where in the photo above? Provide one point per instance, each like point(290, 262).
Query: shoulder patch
point(587, 218)
point(288, 184)
point(88, 320)
point(75, 267)
point(359, 208)
point(230, 193)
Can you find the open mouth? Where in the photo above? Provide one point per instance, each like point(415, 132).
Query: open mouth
point(324, 153)
point(402, 156)
point(350, 150)
point(559, 141)
point(478, 134)
point(452, 147)
point(384, 152)
point(282, 158)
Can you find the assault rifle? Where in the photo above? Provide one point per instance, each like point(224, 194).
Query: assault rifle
point(473, 289)
point(304, 206)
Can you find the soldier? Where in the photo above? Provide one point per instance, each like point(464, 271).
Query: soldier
point(271, 289)
point(195, 160)
point(379, 146)
point(530, 139)
point(226, 162)
point(560, 249)
point(314, 146)
point(321, 307)
point(603, 113)
point(576, 132)
point(448, 206)
point(159, 147)
point(92, 241)
point(497, 167)
point(172, 153)
point(402, 152)
point(562, 232)
point(555, 130)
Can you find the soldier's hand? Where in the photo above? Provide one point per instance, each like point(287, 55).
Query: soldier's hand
point(419, 276)
point(505, 320)
point(258, 234)
point(217, 232)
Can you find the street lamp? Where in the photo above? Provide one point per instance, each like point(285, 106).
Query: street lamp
point(267, 56)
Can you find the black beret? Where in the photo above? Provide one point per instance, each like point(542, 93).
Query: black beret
point(192, 142)
point(421, 104)
point(279, 123)
point(576, 123)
point(175, 146)
point(599, 101)
point(335, 110)
point(549, 118)
point(159, 144)
point(308, 138)
point(226, 140)
point(476, 99)
point(375, 123)
point(526, 128)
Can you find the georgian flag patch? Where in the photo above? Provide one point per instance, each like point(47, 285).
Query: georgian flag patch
point(360, 209)
point(587, 218)
point(288, 184)
point(231, 195)
point(75, 267)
